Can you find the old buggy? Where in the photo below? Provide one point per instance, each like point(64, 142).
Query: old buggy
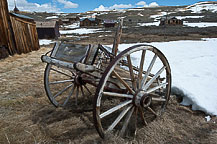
point(132, 87)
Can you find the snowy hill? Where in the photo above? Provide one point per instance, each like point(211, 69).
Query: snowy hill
point(203, 6)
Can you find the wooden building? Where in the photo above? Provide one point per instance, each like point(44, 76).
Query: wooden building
point(170, 21)
point(25, 34)
point(90, 22)
point(73, 19)
point(17, 33)
point(109, 23)
point(47, 29)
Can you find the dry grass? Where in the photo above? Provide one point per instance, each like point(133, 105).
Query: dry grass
point(26, 116)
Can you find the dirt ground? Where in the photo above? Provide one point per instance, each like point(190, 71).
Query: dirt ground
point(26, 116)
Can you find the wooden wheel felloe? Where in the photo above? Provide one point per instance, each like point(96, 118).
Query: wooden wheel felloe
point(143, 76)
point(61, 84)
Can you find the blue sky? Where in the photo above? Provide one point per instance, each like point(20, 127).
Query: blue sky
point(74, 6)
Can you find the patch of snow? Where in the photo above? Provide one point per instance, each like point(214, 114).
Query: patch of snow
point(52, 17)
point(194, 70)
point(139, 14)
point(149, 24)
point(80, 31)
point(200, 24)
point(72, 26)
point(184, 17)
point(77, 36)
point(45, 42)
point(158, 15)
point(208, 118)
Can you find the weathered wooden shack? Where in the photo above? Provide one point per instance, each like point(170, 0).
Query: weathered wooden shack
point(17, 33)
point(25, 34)
point(170, 21)
point(109, 23)
point(47, 29)
point(90, 22)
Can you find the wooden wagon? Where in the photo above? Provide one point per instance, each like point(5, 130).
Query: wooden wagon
point(131, 87)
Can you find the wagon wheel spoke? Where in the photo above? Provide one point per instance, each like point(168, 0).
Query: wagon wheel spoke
point(131, 72)
point(152, 111)
point(82, 91)
point(123, 82)
point(142, 116)
point(113, 94)
point(59, 93)
point(141, 68)
point(87, 89)
point(148, 71)
point(63, 81)
point(74, 74)
point(77, 93)
point(118, 119)
point(126, 122)
point(70, 94)
point(108, 112)
point(61, 72)
point(154, 78)
point(135, 121)
point(157, 87)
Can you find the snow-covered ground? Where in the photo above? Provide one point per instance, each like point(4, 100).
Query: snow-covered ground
point(72, 26)
point(52, 17)
point(79, 31)
point(45, 42)
point(194, 70)
point(156, 23)
point(200, 24)
point(184, 17)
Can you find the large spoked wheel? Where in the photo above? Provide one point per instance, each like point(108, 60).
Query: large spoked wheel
point(61, 84)
point(142, 79)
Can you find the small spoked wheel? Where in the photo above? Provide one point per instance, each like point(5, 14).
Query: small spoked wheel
point(61, 84)
point(142, 78)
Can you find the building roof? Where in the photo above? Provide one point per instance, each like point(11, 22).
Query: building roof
point(22, 16)
point(47, 24)
point(168, 18)
point(90, 19)
point(72, 17)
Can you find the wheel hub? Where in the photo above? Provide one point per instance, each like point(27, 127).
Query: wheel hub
point(142, 99)
point(78, 80)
